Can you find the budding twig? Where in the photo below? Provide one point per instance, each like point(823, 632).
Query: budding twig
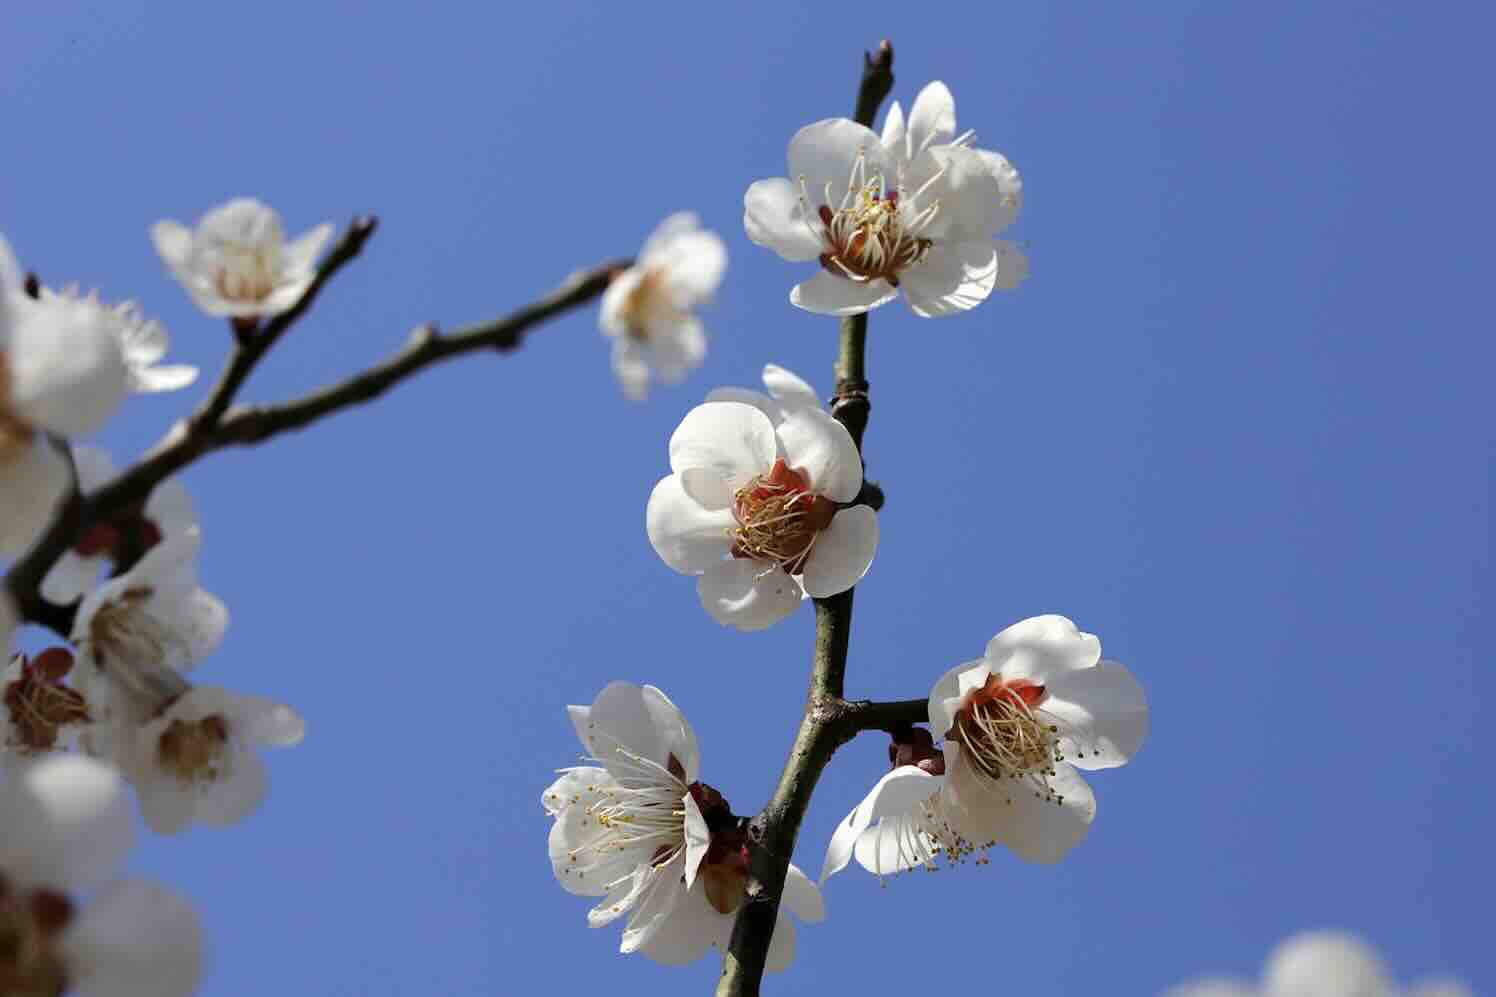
point(219, 423)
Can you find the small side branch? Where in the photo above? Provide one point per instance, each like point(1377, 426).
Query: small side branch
point(218, 423)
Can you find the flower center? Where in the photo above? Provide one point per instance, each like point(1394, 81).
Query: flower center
point(779, 518)
point(193, 750)
point(245, 273)
point(125, 630)
point(30, 923)
point(873, 234)
point(1004, 737)
point(40, 705)
point(649, 305)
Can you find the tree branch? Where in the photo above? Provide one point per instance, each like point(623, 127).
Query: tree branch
point(829, 720)
point(218, 423)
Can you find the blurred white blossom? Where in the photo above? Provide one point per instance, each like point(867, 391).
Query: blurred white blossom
point(64, 825)
point(759, 511)
point(237, 263)
point(1321, 964)
point(647, 309)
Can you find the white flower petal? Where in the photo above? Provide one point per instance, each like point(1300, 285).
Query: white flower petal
point(689, 537)
point(1034, 829)
point(946, 694)
point(1103, 715)
point(698, 838)
point(893, 132)
point(827, 294)
point(1012, 266)
point(730, 440)
point(899, 791)
point(169, 507)
point(677, 739)
point(660, 242)
point(623, 724)
point(827, 153)
point(692, 929)
point(67, 822)
point(774, 219)
point(134, 940)
point(693, 268)
point(70, 578)
point(758, 400)
point(788, 388)
point(1041, 648)
point(235, 794)
point(802, 897)
point(300, 256)
point(173, 242)
point(612, 314)
point(932, 119)
point(67, 367)
point(660, 896)
point(32, 482)
point(819, 447)
point(952, 278)
point(676, 349)
point(264, 721)
point(1325, 964)
point(579, 864)
point(781, 945)
point(631, 367)
point(167, 377)
point(747, 594)
point(843, 552)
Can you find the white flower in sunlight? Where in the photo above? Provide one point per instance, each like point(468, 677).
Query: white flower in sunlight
point(647, 308)
point(197, 760)
point(39, 713)
point(758, 511)
point(154, 614)
point(647, 836)
point(787, 392)
point(1018, 723)
point(879, 220)
point(63, 372)
point(168, 511)
point(143, 342)
point(1321, 964)
point(237, 262)
point(932, 126)
point(64, 825)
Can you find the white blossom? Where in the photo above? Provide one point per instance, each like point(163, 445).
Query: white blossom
point(143, 342)
point(168, 511)
point(237, 263)
point(1321, 964)
point(1019, 722)
point(64, 825)
point(760, 512)
point(914, 214)
point(62, 372)
point(641, 831)
point(647, 309)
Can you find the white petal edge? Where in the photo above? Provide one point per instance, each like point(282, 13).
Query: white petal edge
point(843, 552)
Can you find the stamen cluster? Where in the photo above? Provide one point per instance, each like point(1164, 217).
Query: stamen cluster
point(40, 705)
point(1003, 736)
point(778, 519)
point(193, 750)
point(869, 238)
point(30, 924)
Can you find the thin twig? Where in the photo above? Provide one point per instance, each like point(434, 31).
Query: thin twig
point(218, 423)
point(829, 720)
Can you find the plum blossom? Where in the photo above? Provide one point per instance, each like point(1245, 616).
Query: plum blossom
point(64, 826)
point(237, 263)
point(759, 512)
point(168, 511)
point(647, 308)
point(786, 393)
point(1017, 724)
point(913, 210)
point(641, 831)
point(63, 372)
point(143, 342)
point(1321, 964)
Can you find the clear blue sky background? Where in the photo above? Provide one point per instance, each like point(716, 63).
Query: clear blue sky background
point(1238, 424)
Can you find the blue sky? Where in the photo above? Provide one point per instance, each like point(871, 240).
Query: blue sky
point(1237, 424)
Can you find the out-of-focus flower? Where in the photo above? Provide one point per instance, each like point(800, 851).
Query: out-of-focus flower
point(1321, 964)
point(647, 308)
point(168, 511)
point(647, 836)
point(787, 392)
point(39, 713)
point(62, 372)
point(913, 210)
point(237, 263)
point(759, 511)
point(64, 825)
point(1018, 723)
point(143, 342)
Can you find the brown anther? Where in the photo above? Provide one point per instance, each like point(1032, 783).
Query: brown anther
point(191, 750)
point(778, 518)
point(39, 705)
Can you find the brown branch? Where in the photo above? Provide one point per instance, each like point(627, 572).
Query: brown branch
point(218, 423)
point(829, 721)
